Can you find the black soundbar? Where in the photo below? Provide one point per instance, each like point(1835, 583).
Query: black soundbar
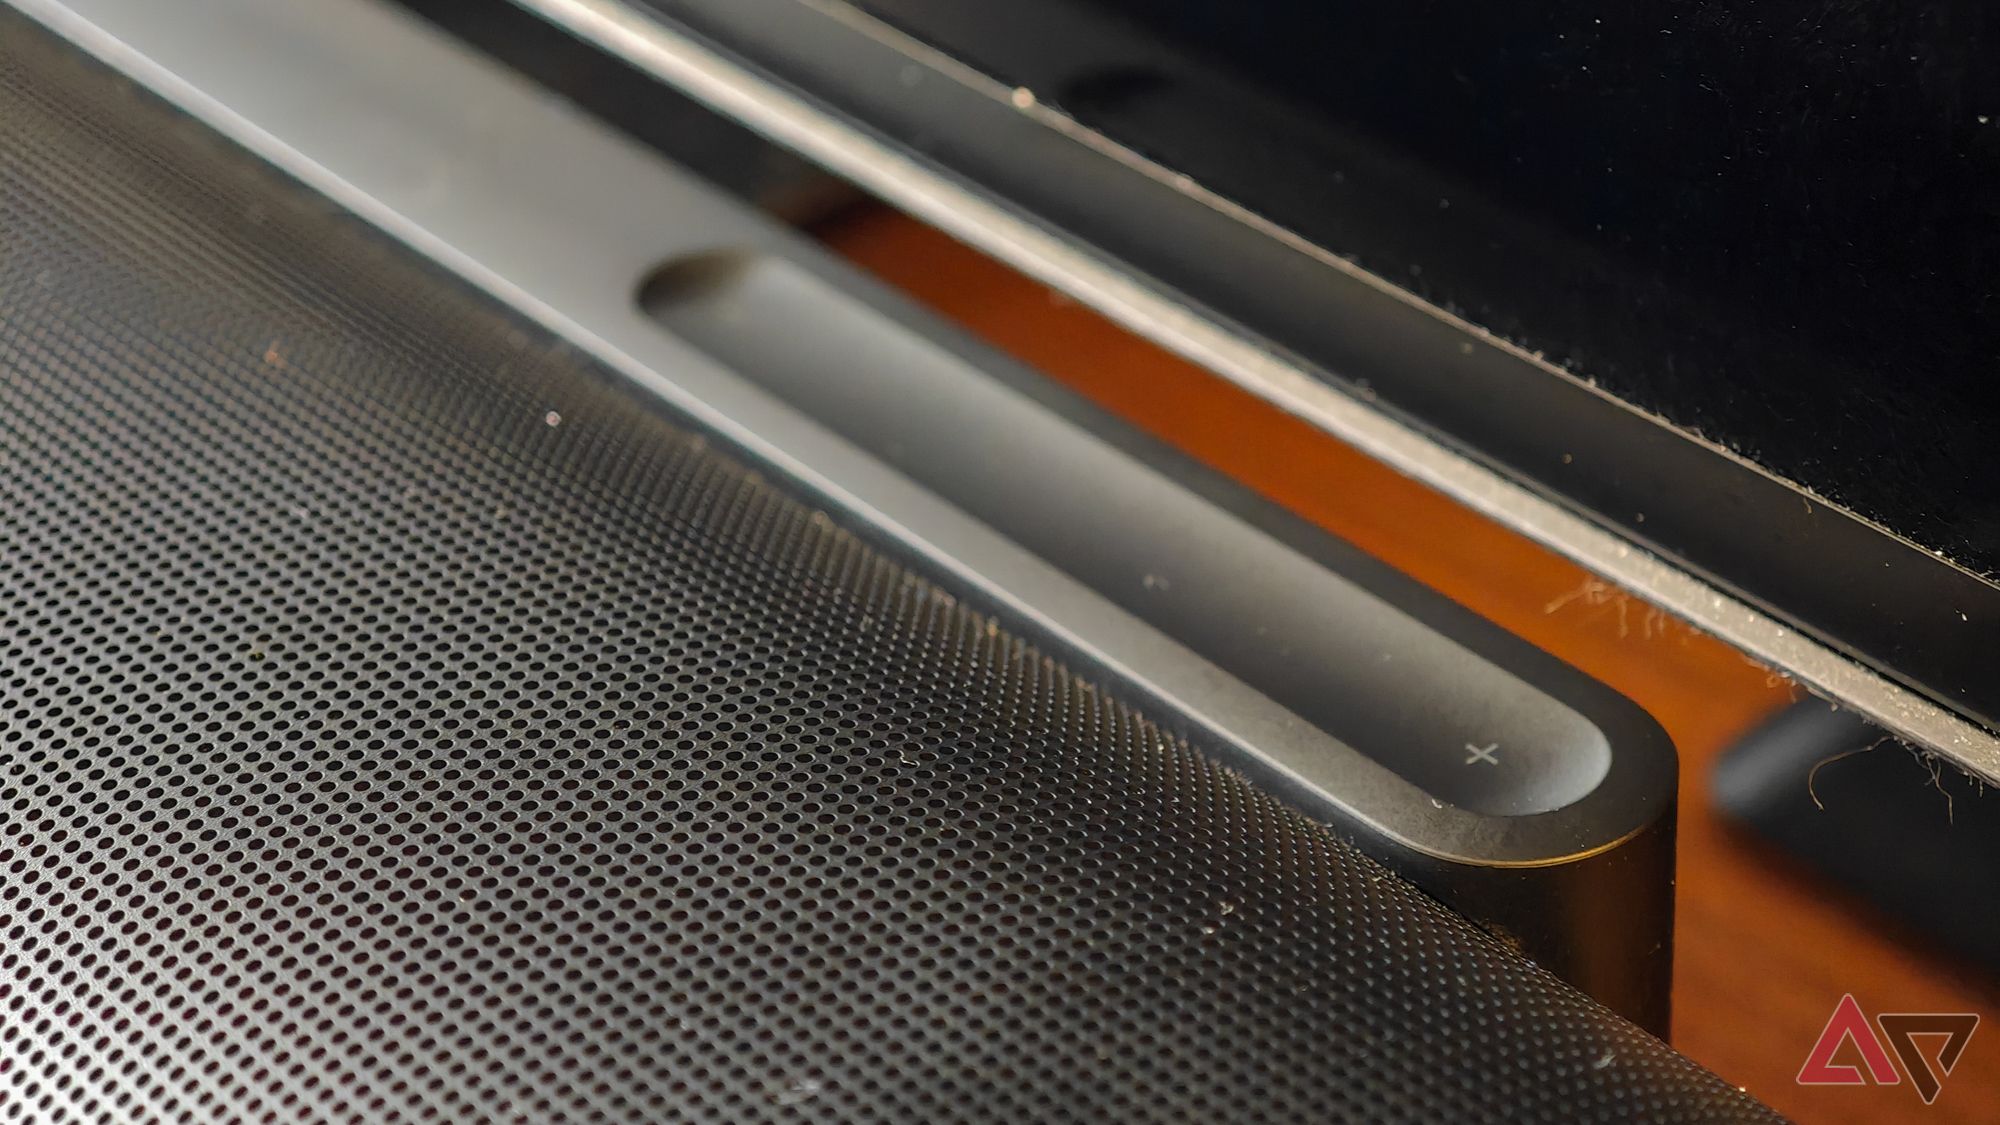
point(1505, 797)
point(432, 695)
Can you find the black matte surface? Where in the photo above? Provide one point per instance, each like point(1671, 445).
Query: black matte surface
point(1771, 223)
point(402, 719)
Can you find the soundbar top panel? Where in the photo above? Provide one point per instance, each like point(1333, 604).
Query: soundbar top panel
point(1047, 136)
point(404, 715)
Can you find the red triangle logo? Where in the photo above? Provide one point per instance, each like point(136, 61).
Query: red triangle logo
point(1847, 1022)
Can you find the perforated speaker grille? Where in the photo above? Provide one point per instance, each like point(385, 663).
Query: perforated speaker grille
point(400, 719)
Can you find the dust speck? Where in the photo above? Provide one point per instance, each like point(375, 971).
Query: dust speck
point(797, 1093)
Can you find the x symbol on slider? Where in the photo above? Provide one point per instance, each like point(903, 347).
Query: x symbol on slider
point(1483, 753)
